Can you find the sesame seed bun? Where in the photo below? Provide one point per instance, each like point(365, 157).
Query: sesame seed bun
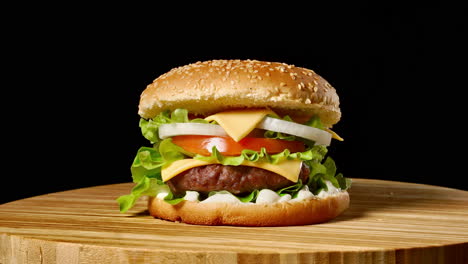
point(311, 211)
point(212, 86)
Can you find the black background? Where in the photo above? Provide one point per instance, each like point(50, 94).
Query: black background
point(71, 85)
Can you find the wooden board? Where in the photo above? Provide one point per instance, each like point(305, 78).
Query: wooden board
point(388, 222)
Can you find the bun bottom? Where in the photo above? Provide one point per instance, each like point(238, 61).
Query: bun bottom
point(276, 214)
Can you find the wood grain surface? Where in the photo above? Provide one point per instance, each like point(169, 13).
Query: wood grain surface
point(388, 222)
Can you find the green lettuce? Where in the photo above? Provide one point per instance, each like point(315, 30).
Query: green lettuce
point(150, 186)
point(146, 186)
point(316, 153)
point(146, 173)
point(291, 190)
point(150, 128)
point(315, 121)
point(149, 161)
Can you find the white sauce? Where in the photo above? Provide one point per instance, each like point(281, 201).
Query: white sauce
point(285, 198)
point(265, 196)
point(221, 198)
point(162, 191)
point(332, 190)
point(303, 194)
point(161, 195)
point(191, 196)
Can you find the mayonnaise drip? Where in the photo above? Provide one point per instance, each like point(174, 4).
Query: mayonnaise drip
point(265, 196)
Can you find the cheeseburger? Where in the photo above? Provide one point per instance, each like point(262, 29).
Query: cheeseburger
point(239, 142)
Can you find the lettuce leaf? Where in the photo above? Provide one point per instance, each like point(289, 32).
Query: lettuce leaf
point(326, 171)
point(315, 121)
point(150, 127)
point(291, 190)
point(149, 161)
point(170, 152)
point(150, 186)
point(316, 153)
point(146, 173)
point(250, 197)
point(147, 186)
point(278, 135)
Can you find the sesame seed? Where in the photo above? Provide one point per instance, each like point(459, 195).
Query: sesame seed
point(282, 84)
point(293, 75)
point(307, 101)
point(315, 88)
point(267, 73)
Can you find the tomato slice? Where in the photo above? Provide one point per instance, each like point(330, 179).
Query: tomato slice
point(227, 146)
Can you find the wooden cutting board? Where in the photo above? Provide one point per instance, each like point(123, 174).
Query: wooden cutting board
point(388, 222)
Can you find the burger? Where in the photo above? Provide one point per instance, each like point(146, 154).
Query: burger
point(239, 142)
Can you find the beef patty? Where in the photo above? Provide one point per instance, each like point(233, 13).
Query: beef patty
point(235, 179)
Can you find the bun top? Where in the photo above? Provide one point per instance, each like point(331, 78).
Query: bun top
point(212, 86)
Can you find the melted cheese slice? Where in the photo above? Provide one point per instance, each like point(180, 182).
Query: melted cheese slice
point(289, 169)
point(334, 134)
point(239, 123)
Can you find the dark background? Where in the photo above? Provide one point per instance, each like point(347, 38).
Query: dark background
point(72, 82)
